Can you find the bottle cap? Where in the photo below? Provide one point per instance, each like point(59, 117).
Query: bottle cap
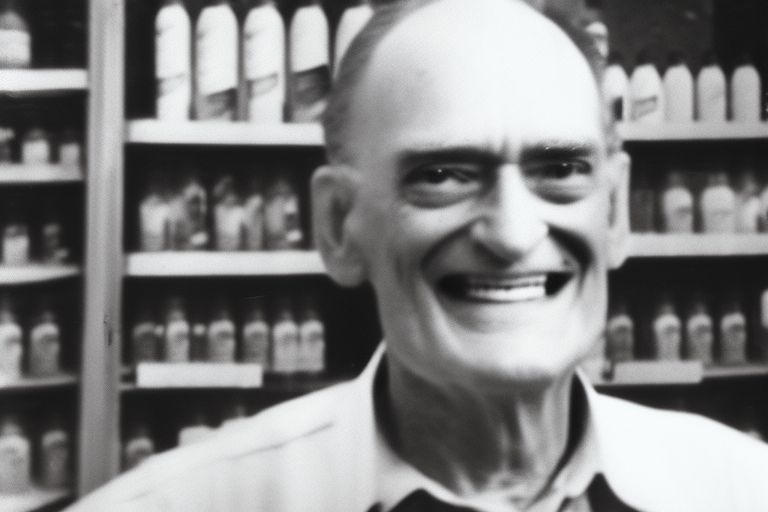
point(11, 426)
point(174, 308)
point(254, 309)
point(697, 303)
point(748, 182)
point(665, 305)
point(676, 179)
point(283, 309)
point(718, 178)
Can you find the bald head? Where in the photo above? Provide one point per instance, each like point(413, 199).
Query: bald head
point(483, 29)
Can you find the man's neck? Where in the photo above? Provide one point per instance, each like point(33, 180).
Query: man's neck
point(475, 442)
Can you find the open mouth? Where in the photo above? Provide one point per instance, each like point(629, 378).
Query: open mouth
point(500, 289)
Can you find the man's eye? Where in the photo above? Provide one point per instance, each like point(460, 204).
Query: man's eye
point(559, 170)
point(438, 185)
point(560, 181)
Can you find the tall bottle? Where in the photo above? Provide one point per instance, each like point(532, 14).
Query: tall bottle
point(145, 341)
point(746, 91)
point(154, 219)
point(195, 430)
point(594, 25)
point(255, 346)
point(54, 455)
point(221, 334)
point(173, 61)
point(711, 97)
point(667, 331)
point(15, 237)
point(15, 37)
point(35, 147)
point(678, 91)
point(70, 150)
point(216, 62)
point(6, 139)
point(747, 203)
point(285, 340)
point(15, 457)
point(253, 215)
point(718, 205)
point(733, 332)
point(53, 247)
point(227, 215)
point(351, 23)
point(309, 60)
point(619, 334)
point(699, 331)
point(677, 205)
point(44, 342)
point(188, 216)
point(311, 352)
point(762, 327)
point(282, 227)
point(10, 341)
point(264, 63)
point(647, 102)
point(176, 336)
point(615, 88)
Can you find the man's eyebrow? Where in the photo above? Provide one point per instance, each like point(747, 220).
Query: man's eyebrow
point(558, 149)
point(414, 156)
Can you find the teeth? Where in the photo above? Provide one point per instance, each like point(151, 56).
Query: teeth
point(506, 290)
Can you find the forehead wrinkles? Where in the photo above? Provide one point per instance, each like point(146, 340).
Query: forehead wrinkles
point(496, 55)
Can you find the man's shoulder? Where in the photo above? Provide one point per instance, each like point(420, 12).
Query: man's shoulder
point(299, 426)
point(661, 455)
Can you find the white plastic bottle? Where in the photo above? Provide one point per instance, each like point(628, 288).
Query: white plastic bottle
point(54, 455)
point(264, 63)
point(309, 59)
point(647, 102)
point(747, 204)
point(253, 215)
point(137, 447)
point(221, 343)
point(176, 342)
point(227, 215)
point(173, 61)
point(351, 23)
point(10, 342)
point(35, 147)
point(667, 331)
point(15, 37)
point(733, 332)
point(44, 342)
point(16, 241)
point(15, 457)
point(311, 354)
point(196, 430)
point(154, 219)
point(677, 205)
point(699, 331)
point(615, 88)
point(678, 91)
point(711, 96)
point(216, 57)
point(285, 341)
point(619, 334)
point(746, 90)
point(718, 205)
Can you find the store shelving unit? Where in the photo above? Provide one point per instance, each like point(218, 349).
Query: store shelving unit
point(697, 245)
point(64, 380)
point(30, 82)
point(19, 174)
point(39, 273)
point(632, 132)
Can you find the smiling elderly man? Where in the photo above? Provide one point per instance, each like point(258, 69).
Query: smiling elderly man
point(475, 183)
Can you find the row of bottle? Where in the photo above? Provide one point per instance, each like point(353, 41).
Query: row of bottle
point(139, 443)
point(696, 336)
point(62, 22)
point(31, 350)
point(39, 147)
point(207, 85)
point(677, 97)
point(174, 215)
point(717, 207)
point(44, 461)
point(284, 344)
point(24, 242)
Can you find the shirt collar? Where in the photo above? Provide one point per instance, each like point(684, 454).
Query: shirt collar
point(395, 478)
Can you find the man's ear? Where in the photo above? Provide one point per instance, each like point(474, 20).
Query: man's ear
point(618, 229)
point(334, 190)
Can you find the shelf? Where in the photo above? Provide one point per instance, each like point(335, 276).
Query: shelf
point(34, 499)
point(199, 263)
point(35, 81)
point(647, 373)
point(280, 386)
point(35, 383)
point(728, 372)
point(677, 246)
point(36, 273)
point(21, 174)
point(231, 133)
point(692, 132)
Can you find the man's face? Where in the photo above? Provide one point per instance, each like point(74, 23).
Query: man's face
point(482, 210)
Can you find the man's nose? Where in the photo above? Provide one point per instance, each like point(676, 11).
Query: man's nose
point(509, 223)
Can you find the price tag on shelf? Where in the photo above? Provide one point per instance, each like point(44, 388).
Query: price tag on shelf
point(199, 375)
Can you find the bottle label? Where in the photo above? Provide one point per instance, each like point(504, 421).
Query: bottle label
point(642, 107)
point(229, 226)
point(144, 342)
point(15, 247)
point(620, 338)
point(177, 341)
point(221, 341)
point(310, 91)
point(285, 340)
point(256, 344)
point(15, 48)
point(154, 225)
point(44, 344)
point(262, 86)
point(667, 335)
point(219, 105)
point(172, 47)
point(678, 210)
point(36, 152)
point(254, 223)
point(701, 337)
point(70, 154)
point(264, 55)
point(312, 346)
point(733, 331)
point(14, 464)
point(217, 62)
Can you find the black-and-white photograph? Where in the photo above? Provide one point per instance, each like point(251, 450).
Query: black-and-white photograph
point(383, 256)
